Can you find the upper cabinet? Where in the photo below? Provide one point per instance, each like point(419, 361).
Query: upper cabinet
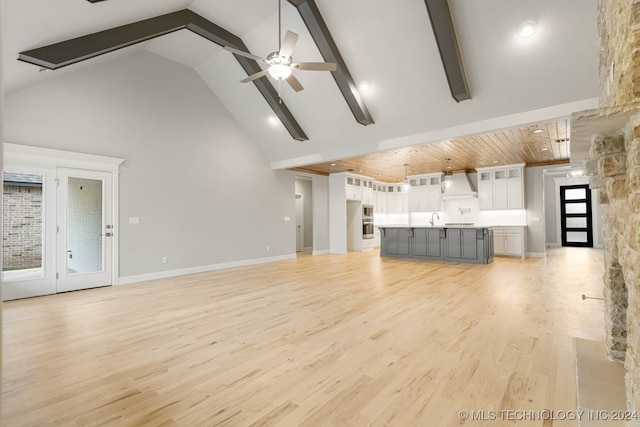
point(354, 188)
point(501, 187)
point(426, 193)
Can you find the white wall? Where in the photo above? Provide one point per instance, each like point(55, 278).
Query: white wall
point(337, 213)
point(202, 189)
point(320, 214)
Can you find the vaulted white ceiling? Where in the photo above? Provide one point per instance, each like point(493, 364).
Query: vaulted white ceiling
point(391, 45)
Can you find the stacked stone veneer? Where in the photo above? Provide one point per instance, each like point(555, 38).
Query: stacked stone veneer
point(619, 55)
point(615, 170)
point(22, 228)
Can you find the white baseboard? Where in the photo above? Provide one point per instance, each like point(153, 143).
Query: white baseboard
point(202, 269)
point(321, 252)
point(536, 255)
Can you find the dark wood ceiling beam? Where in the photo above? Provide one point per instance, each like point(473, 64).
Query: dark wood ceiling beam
point(79, 49)
point(314, 21)
point(442, 24)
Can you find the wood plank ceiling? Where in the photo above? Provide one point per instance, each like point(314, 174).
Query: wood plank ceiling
point(503, 147)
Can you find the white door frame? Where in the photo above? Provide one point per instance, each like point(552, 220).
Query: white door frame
point(299, 223)
point(16, 155)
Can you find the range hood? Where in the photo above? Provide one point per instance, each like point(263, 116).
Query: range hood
point(461, 189)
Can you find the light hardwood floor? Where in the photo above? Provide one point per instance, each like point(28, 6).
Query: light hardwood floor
point(326, 340)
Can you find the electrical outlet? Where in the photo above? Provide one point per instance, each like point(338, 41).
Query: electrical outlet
point(134, 220)
point(268, 248)
point(287, 218)
point(164, 259)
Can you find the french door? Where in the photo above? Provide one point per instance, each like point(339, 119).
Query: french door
point(57, 230)
point(84, 229)
point(575, 216)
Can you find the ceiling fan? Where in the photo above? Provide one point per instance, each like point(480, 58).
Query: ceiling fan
point(280, 63)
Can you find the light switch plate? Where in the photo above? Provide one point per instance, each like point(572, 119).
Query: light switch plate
point(134, 220)
point(535, 219)
point(287, 218)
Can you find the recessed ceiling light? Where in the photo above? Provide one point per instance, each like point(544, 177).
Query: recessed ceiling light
point(495, 161)
point(413, 151)
point(538, 131)
point(333, 164)
point(360, 170)
point(365, 86)
point(527, 29)
point(273, 120)
point(545, 149)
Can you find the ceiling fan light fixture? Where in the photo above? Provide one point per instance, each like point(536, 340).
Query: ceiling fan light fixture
point(279, 71)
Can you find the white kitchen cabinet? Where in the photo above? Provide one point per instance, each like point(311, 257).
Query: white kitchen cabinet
point(418, 196)
point(501, 187)
point(425, 194)
point(435, 192)
point(515, 189)
point(485, 190)
point(380, 205)
point(368, 196)
point(401, 204)
point(509, 241)
point(354, 188)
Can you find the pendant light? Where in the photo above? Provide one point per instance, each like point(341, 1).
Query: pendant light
point(406, 186)
point(447, 182)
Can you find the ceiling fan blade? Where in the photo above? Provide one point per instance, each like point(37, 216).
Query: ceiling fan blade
point(255, 76)
point(288, 43)
point(243, 53)
point(294, 83)
point(314, 66)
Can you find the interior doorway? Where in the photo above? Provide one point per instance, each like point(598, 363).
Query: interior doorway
point(575, 215)
point(304, 214)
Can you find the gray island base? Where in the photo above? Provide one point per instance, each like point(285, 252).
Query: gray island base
point(454, 244)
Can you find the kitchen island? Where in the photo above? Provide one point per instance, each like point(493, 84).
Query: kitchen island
point(454, 244)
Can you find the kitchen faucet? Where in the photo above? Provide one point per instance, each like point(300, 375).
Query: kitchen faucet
point(431, 220)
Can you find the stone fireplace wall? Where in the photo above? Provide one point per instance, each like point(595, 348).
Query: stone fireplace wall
point(619, 55)
point(615, 169)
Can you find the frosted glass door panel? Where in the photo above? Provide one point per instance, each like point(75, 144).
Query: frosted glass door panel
point(580, 222)
point(575, 194)
point(576, 208)
point(577, 236)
